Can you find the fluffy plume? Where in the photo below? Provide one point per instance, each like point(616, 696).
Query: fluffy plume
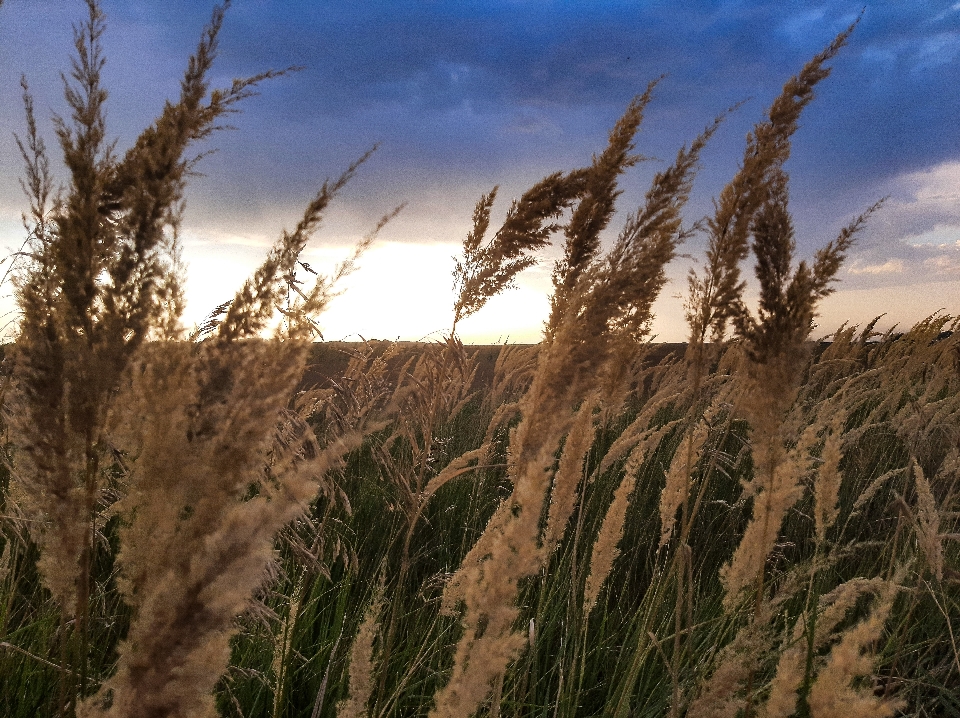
point(594, 211)
point(606, 546)
point(833, 695)
point(791, 666)
point(677, 486)
point(782, 701)
point(826, 487)
point(722, 696)
point(715, 293)
point(608, 301)
point(928, 523)
point(563, 493)
point(776, 490)
point(487, 269)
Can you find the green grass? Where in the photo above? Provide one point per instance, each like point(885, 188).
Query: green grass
point(576, 666)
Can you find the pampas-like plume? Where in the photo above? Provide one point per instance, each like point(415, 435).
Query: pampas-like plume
point(209, 486)
point(669, 382)
point(928, 523)
point(835, 605)
point(606, 546)
point(782, 702)
point(833, 695)
point(609, 302)
point(208, 491)
point(791, 666)
point(777, 491)
point(596, 207)
point(787, 304)
point(103, 278)
point(715, 293)
point(826, 487)
point(677, 487)
point(213, 481)
point(488, 269)
point(774, 340)
point(563, 493)
point(774, 351)
point(721, 697)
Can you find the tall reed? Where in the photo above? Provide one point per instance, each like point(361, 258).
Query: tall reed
point(196, 427)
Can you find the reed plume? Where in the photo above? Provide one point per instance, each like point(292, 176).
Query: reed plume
point(103, 278)
point(716, 291)
point(196, 482)
point(676, 489)
point(832, 695)
point(606, 546)
point(774, 339)
point(597, 203)
point(487, 268)
point(213, 480)
point(599, 302)
point(826, 488)
point(199, 422)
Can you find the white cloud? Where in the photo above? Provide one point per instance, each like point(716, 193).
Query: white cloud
point(941, 235)
point(944, 263)
point(915, 238)
point(939, 49)
point(891, 266)
point(924, 201)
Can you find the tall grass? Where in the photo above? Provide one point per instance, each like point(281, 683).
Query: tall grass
point(760, 523)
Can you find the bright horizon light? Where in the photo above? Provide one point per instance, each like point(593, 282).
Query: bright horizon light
point(457, 111)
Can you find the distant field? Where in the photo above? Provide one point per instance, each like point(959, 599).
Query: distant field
point(328, 360)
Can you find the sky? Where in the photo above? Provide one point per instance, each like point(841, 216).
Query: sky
point(461, 96)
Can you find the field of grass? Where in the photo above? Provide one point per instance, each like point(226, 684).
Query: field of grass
point(292, 655)
point(238, 521)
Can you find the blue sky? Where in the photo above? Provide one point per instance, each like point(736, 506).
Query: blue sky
point(465, 95)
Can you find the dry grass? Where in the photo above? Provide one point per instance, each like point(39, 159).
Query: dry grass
point(765, 525)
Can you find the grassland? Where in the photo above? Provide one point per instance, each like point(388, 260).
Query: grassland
point(237, 521)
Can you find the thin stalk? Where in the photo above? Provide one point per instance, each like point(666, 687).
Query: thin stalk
point(81, 633)
point(758, 596)
point(321, 694)
point(63, 698)
point(622, 707)
point(583, 658)
point(496, 697)
point(812, 600)
point(677, 628)
point(650, 600)
point(429, 428)
point(681, 576)
point(395, 605)
point(556, 705)
point(10, 592)
point(579, 647)
point(286, 641)
point(946, 615)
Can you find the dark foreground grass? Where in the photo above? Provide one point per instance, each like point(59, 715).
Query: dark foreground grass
point(292, 656)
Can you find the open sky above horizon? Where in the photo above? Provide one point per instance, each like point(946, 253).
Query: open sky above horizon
point(462, 96)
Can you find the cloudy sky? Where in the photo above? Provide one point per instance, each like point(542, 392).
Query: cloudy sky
point(462, 96)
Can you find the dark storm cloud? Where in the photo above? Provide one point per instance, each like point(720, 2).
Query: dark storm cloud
point(483, 92)
point(410, 66)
